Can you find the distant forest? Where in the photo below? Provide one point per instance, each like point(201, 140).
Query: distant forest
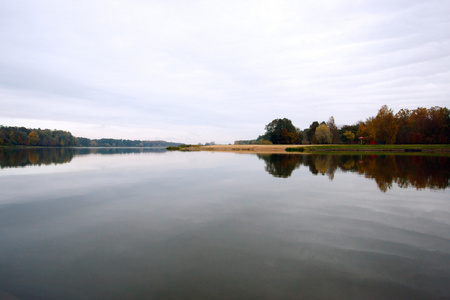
point(21, 136)
point(418, 126)
point(85, 142)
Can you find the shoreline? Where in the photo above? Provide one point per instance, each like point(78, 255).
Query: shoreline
point(246, 148)
point(308, 149)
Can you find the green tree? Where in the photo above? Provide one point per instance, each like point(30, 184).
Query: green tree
point(350, 136)
point(351, 128)
point(282, 131)
point(265, 142)
point(312, 131)
point(323, 134)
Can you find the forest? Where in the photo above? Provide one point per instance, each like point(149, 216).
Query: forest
point(106, 142)
point(21, 136)
point(418, 126)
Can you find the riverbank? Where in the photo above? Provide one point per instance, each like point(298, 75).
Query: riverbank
point(322, 148)
point(247, 148)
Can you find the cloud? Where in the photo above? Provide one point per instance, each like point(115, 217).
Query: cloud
point(199, 71)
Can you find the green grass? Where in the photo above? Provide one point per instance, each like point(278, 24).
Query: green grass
point(380, 152)
point(407, 146)
point(414, 148)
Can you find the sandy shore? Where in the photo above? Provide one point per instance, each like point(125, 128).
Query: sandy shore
point(250, 148)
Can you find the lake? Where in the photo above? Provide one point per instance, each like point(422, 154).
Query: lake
point(151, 224)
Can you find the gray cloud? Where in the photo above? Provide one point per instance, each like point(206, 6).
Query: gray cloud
point(210, 70)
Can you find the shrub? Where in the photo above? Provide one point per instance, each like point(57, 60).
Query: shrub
point(295, 149)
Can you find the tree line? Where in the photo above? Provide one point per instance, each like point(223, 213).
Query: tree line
point(21, 136)
point(108, 142)
point(418, 126)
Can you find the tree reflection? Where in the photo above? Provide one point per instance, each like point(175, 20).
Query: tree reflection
point(119, 150)
point(10, 158)
point(281, 165)
point(21, 157)
point(406, 171)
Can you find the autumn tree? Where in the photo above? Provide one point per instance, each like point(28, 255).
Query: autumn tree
point(20, 140)
point(323, 134)
point(33, 137)
point(289, 137)
point(367, 130)
point(385, 125)
point(439, 119)
point(405, 128)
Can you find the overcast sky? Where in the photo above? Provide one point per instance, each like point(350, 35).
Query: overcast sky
point(202, 71)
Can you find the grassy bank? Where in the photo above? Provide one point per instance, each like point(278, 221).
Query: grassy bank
point(371, 148)
point(184, 148)
point(318, 148)
point(238, 148)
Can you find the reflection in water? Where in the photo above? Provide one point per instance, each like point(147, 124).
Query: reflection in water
point(84, 151)
point(207, 225)
point(10, 158)
point(21, 157)
point(281, 165)
point(417, 171)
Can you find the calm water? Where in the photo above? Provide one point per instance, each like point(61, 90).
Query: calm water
point(145, 224)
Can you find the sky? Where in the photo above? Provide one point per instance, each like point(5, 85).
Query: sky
point(202, 71)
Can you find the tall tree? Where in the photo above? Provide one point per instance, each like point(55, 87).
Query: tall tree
point(439, 125)
point(323, 134)
point(334, 130)
point(385, 125)
point(403, 117)
point(282, 131)
point(312, 132)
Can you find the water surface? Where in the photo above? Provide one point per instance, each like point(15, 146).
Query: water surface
point(142, 224)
